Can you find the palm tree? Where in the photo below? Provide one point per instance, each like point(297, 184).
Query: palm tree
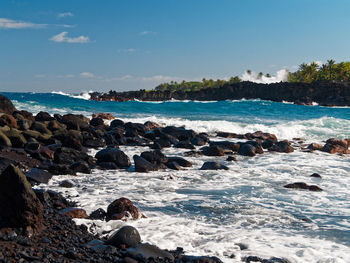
point(331, 63)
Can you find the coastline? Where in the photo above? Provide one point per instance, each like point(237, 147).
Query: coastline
point(322, 93)
point(62, 140)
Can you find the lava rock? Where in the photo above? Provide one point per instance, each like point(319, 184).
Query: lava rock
point(6, 105)
point(142, 165)
point(121, 208)
point(80, 167)
point(174, 166)
point(213, 166)
point(127, 236)
point(146, 251)
point(113, 155)
point(213, 151)
point(74, 212)
point(282, 147)
point(315, 175)
point(304, 186)
point(247, 150)
point(155, 157)
point(180, 161)
point(39, 176)
point(67, 184)
point(98, 214)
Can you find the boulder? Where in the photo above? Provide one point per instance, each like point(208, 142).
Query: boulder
point(4, 140)
point(113, 155)
point(335, 148)
point(67, 184)
point(16, 137)
point(155, 157)
point(315, 175)
point(247, 149)
point(8, 120)
point(303, 186)
point(150, 125)
point(43, 116)
point(74, 212)
point(185, 145)
point(226, 145)
point(117, 123)
point(80, 167)
point(95, 143)
point(199, 259)
point(231, 158)
point(122, 208)
point(213, 151)
point(108, 165)
point(98, 214)
point(180, 161)
point(6, 105)
point(39, 176)
point(40, 127)
point(336, 141)
point(76, 122)
point(97, 122)
point(19, 205)
point(315, 146)
point(127, 236)
point(147, 251)
point(102, 115)
point(179, 133)
point(213, 166)
point(174, 166)
point(282, 147)
point(24, 124)
point(142, 165)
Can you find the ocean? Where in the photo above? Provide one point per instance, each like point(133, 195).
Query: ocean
point(215, 212)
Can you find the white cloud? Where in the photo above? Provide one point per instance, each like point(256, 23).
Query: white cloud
point(87, 75)
point(17, 24)
point(144, 33)
point(65, 14)
point(127, 50)
point(63, 37)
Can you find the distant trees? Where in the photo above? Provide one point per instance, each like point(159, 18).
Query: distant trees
point(329, 71)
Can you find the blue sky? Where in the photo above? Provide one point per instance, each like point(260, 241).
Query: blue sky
point(82, 45)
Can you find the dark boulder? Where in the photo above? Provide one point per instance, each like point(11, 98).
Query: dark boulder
point(67, 184)
point(117, 123)
point(40, 127)
point(213, 151)
point(282, 147)
point(185, 145)
point(97, 122)
point(4, 140)
point(6, 105)
point(74, 212)
point(174, 166)
point(226, 145)
point(199, 259)
point(16, 137)
point(315, 146)
point(80, 167)
point(76, 122)
point(335, 148)
point(198, 141)
point(127, 236)
point(231, 158)
point(98, 214)
point(251, 259)
point(155, 157)
point(303, 186)
point(179, 133)
point(113, 155)
point(43, 116)
point(39, 176)
point(315, 175)
point(122, 208)
point(180, 161)
point(213, 166)
point(142, 165)
point(108, 165)
point(95, 143)
point(145, 251)
point(336, 141)
point(19, 205)
point(247, 149)
point(8, 120)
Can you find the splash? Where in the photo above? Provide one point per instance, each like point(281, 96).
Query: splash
point(84, 95)
point(281, 75)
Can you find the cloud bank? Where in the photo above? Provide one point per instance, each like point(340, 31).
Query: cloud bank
point(17, 24)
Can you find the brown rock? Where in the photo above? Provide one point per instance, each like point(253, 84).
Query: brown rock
point(74, 212)
point(9, 120)
point(105, 116)
point(335, 148)
point(303, 186)
point(121, 208)
point(19, 205)
point(336, 141)
point(6, 105)
point(315, 146)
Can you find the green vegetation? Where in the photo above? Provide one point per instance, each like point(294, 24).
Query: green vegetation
point(196, 85)
point(330, 71)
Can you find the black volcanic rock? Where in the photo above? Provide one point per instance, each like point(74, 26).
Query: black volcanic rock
point(6, 105)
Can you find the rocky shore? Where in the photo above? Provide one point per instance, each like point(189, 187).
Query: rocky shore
point(323, 93)
point(37, 225)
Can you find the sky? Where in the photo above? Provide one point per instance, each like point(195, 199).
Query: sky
point(83, 45)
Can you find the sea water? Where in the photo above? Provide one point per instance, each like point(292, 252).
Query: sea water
point(215, 212)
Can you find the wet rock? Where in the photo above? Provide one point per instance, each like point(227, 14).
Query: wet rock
point(98, 214)
point(39, 176)
point(303, 186)
point(127, 236)
point(113, 155)
point(150, 125)
point(67, 184)
point(180, 161)
point(80, 167)
point(155, 157)
point(108, 165)
point(226, 145)
point(103, 115)
point(250, 259)
point(174, 166)
point(193, 153)
point(74, 212)
point(43, 116)
point(95, 143)
point(19, 205)
point(199, 259)
point(231, 158)
point(146, 251)
point(282, 146)
point(76, 122)
point(230, 135)
point(16, 138)
point(97, 122)
point(24, 124)
point(179, 133)
point(161, 143)
point(247, 150)
point(213, 166)
point(267, 144)
point(185, 145)
point(117, 123)
point(8, 120)
point(142, 165)
point(198, 141)
point(335, 148)
point(315, 146)
point(40, 127)
point(336, 141)
point(213, 151)
point(315, 175)
point(262, 136)
point(122, 208)
point(4, 140)
point(6, 105)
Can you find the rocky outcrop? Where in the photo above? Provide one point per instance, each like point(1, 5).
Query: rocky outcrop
point(122, 208)
point(6, 105)
point(324, 93)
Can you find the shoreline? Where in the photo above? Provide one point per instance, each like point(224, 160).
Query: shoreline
point(322, 93)
point(55, 145)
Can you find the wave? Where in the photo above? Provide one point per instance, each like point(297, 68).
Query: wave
point(84, 95)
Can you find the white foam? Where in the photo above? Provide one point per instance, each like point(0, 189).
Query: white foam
point(281, 76)
point(210, 212)
point(85, 95)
